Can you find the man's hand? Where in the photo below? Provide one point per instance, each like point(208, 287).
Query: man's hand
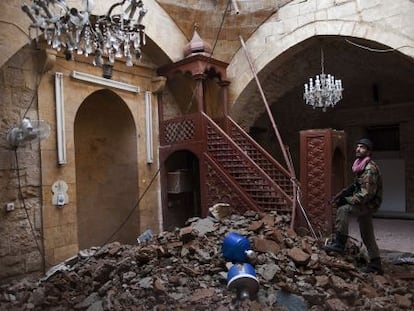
point(338, 201)
point(341, 201)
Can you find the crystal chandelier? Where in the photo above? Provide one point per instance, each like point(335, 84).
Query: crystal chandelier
point(119, 33)
point(324, 92)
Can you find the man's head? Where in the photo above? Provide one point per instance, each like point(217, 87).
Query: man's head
point(363, 148)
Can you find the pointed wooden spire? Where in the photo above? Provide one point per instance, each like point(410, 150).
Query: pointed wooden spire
point(197, 45)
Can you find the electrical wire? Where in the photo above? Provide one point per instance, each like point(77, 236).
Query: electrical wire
point(20, 192)
point(305, 215)
point(298, 196)
point(15, 25)
point(212, 51)
point(19, 183)
point(171, 145)
point(39, 78)
point(134, 208)
point(377, 50)
point(161, 164)
point(42, 253)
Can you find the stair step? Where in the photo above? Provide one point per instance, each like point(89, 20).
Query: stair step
point(263, 192)
point(218, 152)
point(243, 184)
point(233, 165)
point(267, 202)
point(258, 188)
point(250, 178)
point(271, 203)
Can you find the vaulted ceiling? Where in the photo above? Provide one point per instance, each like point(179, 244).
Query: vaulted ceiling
point(218, 20)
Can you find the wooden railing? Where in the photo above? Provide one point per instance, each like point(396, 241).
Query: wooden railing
point(244, 172)
point(234, 168)
point(181, 130)
point(261, 157)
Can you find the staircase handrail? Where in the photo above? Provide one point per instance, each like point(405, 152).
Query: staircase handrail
point(260, 148)
point(247, 158)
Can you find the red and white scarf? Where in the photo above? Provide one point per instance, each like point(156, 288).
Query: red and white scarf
point(360, 164)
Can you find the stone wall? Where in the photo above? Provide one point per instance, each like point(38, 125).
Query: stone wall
point(287, 24)
point(37, 234)
point(20, 229)
point(287, 30)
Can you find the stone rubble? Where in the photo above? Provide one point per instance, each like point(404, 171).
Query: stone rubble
point(185, 270)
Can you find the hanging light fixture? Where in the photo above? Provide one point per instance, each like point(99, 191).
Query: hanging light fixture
point(324, 92)
point(119, 33)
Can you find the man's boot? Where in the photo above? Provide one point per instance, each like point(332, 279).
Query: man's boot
point(374, 266)
point(337, 245)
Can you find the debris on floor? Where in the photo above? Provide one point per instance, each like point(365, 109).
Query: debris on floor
point(185, 270)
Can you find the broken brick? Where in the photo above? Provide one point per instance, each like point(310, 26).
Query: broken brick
point(166, 273)
point(298, 256)
point(265, 245)
point(256, 226)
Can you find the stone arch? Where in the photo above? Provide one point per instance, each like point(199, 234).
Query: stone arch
point(292, 25)
point(182, 188)
point(106, 170)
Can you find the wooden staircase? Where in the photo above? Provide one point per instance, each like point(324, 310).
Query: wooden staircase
point(234, 169)
point(246, 168)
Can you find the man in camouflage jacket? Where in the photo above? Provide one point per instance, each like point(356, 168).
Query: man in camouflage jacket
point(362, 199)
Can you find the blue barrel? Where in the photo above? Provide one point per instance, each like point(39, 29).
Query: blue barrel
point(242, 278)
point(241, 270)
point(234, 247)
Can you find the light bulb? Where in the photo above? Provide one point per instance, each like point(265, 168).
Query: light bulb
point(129, 62)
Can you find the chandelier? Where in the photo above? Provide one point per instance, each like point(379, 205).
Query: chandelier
point(119, 33)
point(324, 92)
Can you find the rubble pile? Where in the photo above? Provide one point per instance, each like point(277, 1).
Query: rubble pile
point(185, 270)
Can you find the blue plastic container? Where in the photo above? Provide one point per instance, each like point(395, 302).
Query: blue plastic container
point(242, 278)
point(235, 247)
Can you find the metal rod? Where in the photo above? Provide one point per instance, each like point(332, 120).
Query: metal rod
point(235, 7)
point(305, 215)
point(279, 138)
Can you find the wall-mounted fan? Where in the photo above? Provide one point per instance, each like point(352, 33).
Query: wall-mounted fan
point(26, 131)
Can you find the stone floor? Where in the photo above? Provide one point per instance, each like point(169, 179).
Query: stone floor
point(392, 234)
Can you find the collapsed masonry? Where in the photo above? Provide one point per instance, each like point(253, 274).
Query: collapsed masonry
point(185, 270)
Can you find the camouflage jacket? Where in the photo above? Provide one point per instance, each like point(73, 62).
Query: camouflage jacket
point(368, 192)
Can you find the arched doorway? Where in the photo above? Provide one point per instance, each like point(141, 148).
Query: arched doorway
point(106, 171)
point(377, 101)
point(183, 189)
